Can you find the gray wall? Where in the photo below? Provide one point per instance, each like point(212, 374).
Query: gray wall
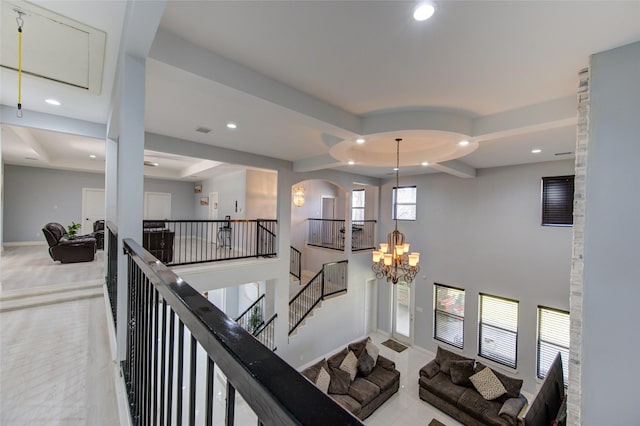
point(231, 188)
point(484, 235)
point(612, 234)
point(35, 196)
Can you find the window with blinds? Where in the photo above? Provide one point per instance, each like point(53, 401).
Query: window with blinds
point(404, 203)
point(448, 324)
point(357, 205)
point(498, 328)
point(553, 337)
point(557, 201)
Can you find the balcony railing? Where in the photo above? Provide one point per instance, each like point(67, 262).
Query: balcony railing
point(112, 268)
point(363, 235)
point(183, 353)
point(295, 267)
point(326, 233)
point(185, 242)
point(266, 333)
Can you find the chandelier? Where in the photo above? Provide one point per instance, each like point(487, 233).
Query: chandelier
point(298, 196)
point(393, 260)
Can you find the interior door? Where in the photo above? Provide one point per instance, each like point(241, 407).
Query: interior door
point(402, 312)
point(92, 208)
point(157, 205)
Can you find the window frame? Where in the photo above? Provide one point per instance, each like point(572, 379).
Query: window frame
point(448, 314)
point(394, 204)
point(557, 209)
point(565, 357)
point(353, 208)
point(480, 328)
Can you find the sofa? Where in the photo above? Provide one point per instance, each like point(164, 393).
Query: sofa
point(357, 378)
point(461, 388)
point(158, 240)
point(66, 249)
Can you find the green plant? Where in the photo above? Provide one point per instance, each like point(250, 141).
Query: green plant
point(72, 229)
point(255, 319)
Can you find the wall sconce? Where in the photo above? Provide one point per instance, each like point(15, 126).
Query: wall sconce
point(298, 196)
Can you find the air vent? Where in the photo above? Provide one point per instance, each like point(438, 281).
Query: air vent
point(203, 130)
point(150, 164)
point(563, 153)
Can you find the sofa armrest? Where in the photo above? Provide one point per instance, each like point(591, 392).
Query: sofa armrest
point(386, 363)
point(511, 409)
point(430, 370)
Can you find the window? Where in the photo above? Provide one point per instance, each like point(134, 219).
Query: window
point(357, 205)
point(404, 203)
point(499, 329)
point(553, 337)
point(557, 201)
point(448, 323)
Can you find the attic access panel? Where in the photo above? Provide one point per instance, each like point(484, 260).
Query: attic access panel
point(53, 46)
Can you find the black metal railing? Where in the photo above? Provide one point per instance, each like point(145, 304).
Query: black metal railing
point(295, 267)
point(331, 280)
point(185, 242)
point(253, 317)
point(266, 334)
point(111, 278)
point(363, 235)
point(327, 233)
point(180, 347)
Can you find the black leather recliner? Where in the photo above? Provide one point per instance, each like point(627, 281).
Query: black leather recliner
point(98, 233)
point(66, 249)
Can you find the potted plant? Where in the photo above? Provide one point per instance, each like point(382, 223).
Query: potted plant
point(72, 229)
point(255, 319)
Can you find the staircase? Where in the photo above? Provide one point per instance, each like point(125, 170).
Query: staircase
point(252, 320)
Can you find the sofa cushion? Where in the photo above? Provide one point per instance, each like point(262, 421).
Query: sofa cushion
point(350, 365)
point(365, 364)
point(475, 405)
point(358, 347)
point(441, 386)
point(340, 381)
point(431, 369)
point(512, 385)
point(372, 350)
point(312, 371)
point(385, 363)
point(461, 371)
point(487, 384)
point(336, 359)
point(444, 358)
point(363, 390)
point(511, 409)
point(348, 403)
point(323, 380)
point(383, 378)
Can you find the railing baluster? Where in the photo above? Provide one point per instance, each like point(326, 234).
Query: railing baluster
point(192, 382)
point(231, 404)
point(180, 367)
point(170, 366)
point(156, 309)
point(163, 360)
point(209, 399)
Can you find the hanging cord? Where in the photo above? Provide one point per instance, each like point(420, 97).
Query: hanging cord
point(20, 23)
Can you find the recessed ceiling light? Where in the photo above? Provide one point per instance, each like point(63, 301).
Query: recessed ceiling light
point(536, 151)
point(463, 143)
point(395, 169)
point(232, 125)
point(351, 162)
point(423, 12)
point(52, 102)
point(360, 141)
point(425, 163)
point(92, 156)
point(150, 163)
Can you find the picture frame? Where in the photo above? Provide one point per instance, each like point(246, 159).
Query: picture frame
point(204, 201)
point(197, 189)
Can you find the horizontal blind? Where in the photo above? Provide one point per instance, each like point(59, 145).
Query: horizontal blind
point(557, 200)
point(404, 203)
point(449, 315)
point(499, 329)
point(553, 337)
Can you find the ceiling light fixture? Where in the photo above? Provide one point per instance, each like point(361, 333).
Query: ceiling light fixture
point(359, 141)
point(463, 143)
point(53, 102)
point(425, 163)
point(150, 163)
point(92, 156)
point(298, 196)
point(536, 151)
point(423, 12)
point(397, 265)
point(232, 126)
point(351, 162)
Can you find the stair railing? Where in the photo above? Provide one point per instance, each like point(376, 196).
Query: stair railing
point(266, 333)
point(253, 317)
point(295, 267)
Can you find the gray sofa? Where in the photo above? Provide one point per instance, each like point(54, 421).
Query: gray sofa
point(461, 400)
point(368, 391)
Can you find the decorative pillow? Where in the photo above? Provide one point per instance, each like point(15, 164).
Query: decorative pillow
point(430, 370)
point(373, 351)
point(312, 372)
point(340, 381)
point(336, 359)
point(365, 364)
point(358, 347)
point(461, 371)
point(323, 380)
point(444, 358)
point(487, 384)
point(350, 365)
point(512, 385)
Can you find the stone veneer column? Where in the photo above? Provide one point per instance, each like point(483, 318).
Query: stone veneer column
point(577, 258)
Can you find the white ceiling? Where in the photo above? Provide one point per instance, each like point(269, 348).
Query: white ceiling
point(302, 77)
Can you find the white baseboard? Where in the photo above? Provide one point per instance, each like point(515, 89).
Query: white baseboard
point(24, 243)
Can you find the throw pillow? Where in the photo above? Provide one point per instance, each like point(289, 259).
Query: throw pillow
point(311, 372)
point(444, 358)
point(461, 371)
point(373, 351)
point(323, 380)
point(365, 364)
point(336, 359)
point(487, 384)
point(340, 381)
point(512, 385)
point(358, 347)
point(350, 365)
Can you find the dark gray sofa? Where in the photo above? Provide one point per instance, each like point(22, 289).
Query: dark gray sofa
point(462, 401)
point(367, 392)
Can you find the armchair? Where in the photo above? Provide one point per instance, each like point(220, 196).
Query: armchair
point(98, 233)
point(66, 249)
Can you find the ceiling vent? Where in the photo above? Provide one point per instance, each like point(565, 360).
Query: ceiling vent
point(54, 47)
point(203, 130)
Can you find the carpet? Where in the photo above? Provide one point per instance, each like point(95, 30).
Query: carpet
point(434, 422)
point(392, 344)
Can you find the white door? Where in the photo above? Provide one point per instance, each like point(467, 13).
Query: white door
point(157, 205)
point(213, 215)
point(328, 207)
point(92, 208)
point(402, 313)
